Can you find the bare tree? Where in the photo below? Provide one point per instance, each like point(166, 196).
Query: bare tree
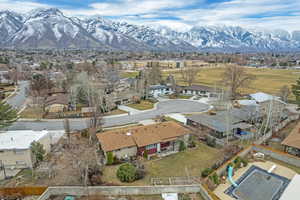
point(153, 74)
point(284, 93)
point(189, 74)
point(235, 78)
point(95, 122)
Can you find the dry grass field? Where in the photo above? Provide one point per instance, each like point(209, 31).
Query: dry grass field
point(267, 80)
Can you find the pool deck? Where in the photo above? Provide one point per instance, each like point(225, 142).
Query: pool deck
point(280, 170)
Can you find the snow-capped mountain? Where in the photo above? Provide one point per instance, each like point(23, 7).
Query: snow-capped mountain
point(105, 31)
point(10, 23)
point(50, 28)
point(153, 37)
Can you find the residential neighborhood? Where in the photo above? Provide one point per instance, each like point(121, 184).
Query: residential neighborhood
point(149, 100)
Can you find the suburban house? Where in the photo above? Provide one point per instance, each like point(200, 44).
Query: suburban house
point(292, 142)
point(157, 90)
point(216, 124)
point(15, 150)
point(57, 103)
point(135, 141)
point(200, 90)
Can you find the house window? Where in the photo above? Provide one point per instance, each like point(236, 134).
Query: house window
point(151, 146)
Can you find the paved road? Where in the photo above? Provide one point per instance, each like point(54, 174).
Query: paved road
point(165, 107)
point(18, 100)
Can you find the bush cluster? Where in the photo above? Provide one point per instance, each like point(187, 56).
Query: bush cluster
point(206, 172)
point(128, 172)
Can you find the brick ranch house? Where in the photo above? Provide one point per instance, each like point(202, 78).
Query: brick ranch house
point(135, 141)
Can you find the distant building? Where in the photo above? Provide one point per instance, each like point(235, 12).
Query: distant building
point(200, 90)
point(158, 90)
point(135, 141)
point(15, 150)
point(57, 103)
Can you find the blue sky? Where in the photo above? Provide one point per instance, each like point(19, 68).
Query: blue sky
point(178, 14)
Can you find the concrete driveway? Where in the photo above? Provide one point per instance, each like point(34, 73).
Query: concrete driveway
point(165, 107)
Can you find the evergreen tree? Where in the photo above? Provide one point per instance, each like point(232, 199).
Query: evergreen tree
point(7, 114)
point(38, 151)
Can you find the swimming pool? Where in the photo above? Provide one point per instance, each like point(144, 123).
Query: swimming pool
point(258, 184)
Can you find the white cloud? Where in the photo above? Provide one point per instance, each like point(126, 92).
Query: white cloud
point(248, 13)
point(20, 6)
point(131, 7)
point(263, 13)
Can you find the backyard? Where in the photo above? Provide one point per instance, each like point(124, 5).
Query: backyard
point(191, 161)
point(267, 80)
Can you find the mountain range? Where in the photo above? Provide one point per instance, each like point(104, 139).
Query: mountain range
point(50, 28)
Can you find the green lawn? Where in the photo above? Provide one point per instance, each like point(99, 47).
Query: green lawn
point(129, 74)
point(179, 96)
point(192, 160)
point(143, 105)
point(267, 80)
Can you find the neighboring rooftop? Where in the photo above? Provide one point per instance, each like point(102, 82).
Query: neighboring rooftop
point(140, 135)
point(293, 139)
point(262, 97)
point(219, 121)
point(292, 190)
point(58, 99)
point(20, 139)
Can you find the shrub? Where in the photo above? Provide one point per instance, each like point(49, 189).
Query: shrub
point(237, 162)
point(127, 173)
point(182, 146)
point(192, 142)
point(110, 158)
point(206, 172)
point(145, 154)
point(215, 178)
point(245, 162)
point(85, 133)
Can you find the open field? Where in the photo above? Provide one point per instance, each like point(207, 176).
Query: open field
point(192, 160)
point(143, 105)
point(267, 80)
